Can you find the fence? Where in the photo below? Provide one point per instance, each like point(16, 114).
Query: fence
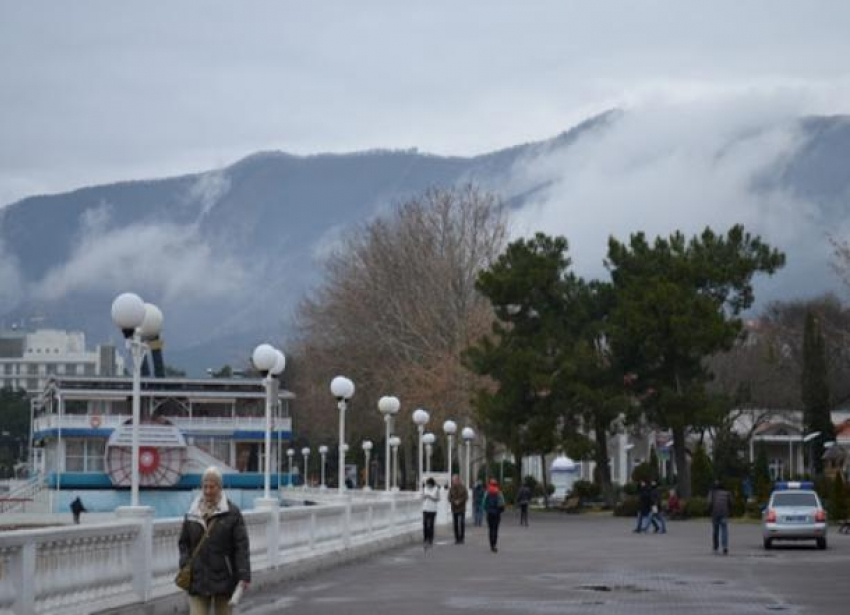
point(91, 568)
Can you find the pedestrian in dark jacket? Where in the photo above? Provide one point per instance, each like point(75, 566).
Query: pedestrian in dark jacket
point(493, 504)
point(720, 509)
point(644, 507)
point(657, 518)
point(478, 503)
point(523, 498)
point(457, 498)
point(223, 561)
point(77, 508)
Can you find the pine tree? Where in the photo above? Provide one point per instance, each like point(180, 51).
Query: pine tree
point(815, 391)
point(653, 462)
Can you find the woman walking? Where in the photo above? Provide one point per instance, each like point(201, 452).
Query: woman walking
point(430, 499)
point(493, 505)
point(214, 546)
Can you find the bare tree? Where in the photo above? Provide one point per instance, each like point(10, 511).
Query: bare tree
point(397, 307)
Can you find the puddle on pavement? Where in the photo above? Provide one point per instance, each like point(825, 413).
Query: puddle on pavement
point(634, 589)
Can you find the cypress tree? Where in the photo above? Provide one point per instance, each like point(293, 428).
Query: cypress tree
point(815, 392)
point(702, 472)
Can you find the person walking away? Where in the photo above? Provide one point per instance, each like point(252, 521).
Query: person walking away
point(478, 503)
point(720, 509)
point(458, 496)
point(493, 504)
point(644, 507)
point(214, 543)
point(657, 518)
point(430, 500)
point(523, 498)
point(77, 508)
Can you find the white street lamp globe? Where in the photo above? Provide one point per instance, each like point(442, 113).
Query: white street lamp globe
point(152, 323)
point(429, 438)
point(264, 358)
point(450, 427)
point(345, 448)
point(468, 433)
point(395, 441)
point(323, 450)
point(128, 312)
point(342, 388)
point(420, 417)
point(305, 451)
point(290, 452)
point(388, 405)
point(367, 445)
point(279, 363)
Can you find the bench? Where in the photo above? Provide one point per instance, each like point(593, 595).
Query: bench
point(570, 504)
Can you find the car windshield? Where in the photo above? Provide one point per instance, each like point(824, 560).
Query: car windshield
point(795, 499)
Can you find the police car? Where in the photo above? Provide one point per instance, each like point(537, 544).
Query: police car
point(794, 512)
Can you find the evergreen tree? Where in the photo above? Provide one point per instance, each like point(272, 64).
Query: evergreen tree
point(762, 475)
point(702, 472)
point(653, 462)
point(677, 303)
point(838, 505)
point(815, 392)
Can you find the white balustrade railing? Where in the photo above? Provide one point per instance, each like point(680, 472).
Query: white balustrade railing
point(84, 569)
point(199, 423)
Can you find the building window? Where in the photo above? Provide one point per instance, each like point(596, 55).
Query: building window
point(84, 455)
point(217, 447)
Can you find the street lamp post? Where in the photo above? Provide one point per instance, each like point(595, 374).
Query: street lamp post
point(388, 406)
point(468, 435)
point(290, 453)
point(305, 452)
point(269, 361)
point(342, 388)
point(367, 449)
point(136, 319)
point(323, 451)
point(450, 429)
point(429, 440)
point(394, 442)
point(421, 418)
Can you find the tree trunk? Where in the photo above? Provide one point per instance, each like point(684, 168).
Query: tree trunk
point(602, 471)
point(545, 480)
point(683, 470)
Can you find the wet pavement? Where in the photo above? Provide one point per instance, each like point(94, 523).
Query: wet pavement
point(579, 564)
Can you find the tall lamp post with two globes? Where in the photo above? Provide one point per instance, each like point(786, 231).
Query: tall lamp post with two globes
point(270, 362)
point(388, 406)
point(343, 389)
point(137, 320)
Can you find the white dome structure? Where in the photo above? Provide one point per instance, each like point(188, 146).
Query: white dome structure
point(564, 472)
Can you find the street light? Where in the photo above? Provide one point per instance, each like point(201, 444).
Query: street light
point(429, 440)
point(269, 361)
point(450, 429)
point(323, 451)
point(290, 452)
point(421, 418)
point(468, 435)
point(305, 452)
point(131, 315)
point(342, 388)
point(367, 449)
point(388, 406)
point(394, 442)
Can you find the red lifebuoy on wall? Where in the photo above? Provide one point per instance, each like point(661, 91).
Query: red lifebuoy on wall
point(148, 459)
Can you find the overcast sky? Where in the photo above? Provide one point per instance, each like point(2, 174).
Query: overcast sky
point(98, 91)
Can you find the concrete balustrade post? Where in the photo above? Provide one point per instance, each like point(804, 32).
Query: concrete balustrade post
point(272, 507)
point(22, 574)
point(142, 553)
point(346, 530)
point(313, 529)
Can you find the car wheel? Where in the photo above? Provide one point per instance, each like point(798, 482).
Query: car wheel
point(821, 543)
point(768, 543)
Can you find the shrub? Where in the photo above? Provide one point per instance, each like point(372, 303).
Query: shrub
point(585, 490)
point(509, 491)
point(628, 507)
point(696, 507)
point(838, 499)
point(753, 510)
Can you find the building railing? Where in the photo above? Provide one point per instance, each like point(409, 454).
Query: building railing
point(84, 569)
point(200, 423)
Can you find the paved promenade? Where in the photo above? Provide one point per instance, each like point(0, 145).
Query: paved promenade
point(578, 564)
